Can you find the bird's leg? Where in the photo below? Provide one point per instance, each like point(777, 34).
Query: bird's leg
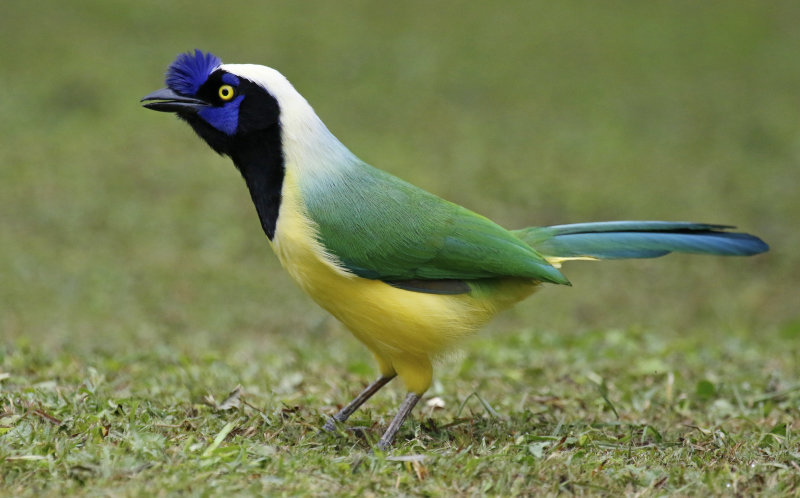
point(359, 400)
point(405, 409)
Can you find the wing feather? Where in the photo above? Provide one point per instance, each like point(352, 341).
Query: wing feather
point(381, 227)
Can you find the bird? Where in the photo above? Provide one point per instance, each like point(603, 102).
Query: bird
point(410, 274)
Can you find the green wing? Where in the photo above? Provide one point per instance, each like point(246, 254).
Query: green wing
point(381, 227)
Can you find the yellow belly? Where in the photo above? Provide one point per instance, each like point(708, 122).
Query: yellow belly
point(403, 329)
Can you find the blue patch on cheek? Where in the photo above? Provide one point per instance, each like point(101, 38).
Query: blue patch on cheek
point(225, 118)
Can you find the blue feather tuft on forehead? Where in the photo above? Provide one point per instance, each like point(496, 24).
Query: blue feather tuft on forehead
point(189, 71)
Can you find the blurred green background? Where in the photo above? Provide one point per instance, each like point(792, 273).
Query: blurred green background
point(122, 231)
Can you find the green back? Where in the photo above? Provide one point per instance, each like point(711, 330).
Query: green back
point(381, 227)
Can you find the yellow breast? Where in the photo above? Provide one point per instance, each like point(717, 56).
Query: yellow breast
point(393, 323)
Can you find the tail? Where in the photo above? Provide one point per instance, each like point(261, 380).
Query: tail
point(637, 239)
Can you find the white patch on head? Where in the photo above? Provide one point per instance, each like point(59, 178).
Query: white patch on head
point(308, 146)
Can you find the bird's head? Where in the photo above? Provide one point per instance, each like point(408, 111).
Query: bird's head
point(250, 113)
point(223, 103)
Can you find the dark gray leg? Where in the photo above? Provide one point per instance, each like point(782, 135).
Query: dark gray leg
point(405, 409)
point(359, 400)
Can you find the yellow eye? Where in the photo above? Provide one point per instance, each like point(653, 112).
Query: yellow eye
point(226, 92)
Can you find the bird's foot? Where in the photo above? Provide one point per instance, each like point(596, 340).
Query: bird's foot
point(329, 426)
point(334, 425)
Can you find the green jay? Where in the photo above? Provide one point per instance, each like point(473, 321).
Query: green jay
point(411, 275)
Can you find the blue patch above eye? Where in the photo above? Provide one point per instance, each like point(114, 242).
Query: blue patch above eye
point(225, 118)
point(189, 71)
point(230, 79)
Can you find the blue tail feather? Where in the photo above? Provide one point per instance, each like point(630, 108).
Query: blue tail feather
point(639, 239)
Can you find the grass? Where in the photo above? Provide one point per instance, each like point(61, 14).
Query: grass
point(137, 292)
point(602, 411)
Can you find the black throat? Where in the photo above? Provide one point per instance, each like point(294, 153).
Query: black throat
point(259, 157)
point(255, 148)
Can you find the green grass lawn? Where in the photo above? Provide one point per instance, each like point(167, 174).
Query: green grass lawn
point(137, 290)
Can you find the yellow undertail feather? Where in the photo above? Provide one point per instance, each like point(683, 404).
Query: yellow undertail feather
point(405, 330)
point(557, 260)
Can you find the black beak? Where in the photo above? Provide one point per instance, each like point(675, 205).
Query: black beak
point(165, 100)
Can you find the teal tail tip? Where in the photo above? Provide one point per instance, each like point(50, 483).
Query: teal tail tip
point(642, 239)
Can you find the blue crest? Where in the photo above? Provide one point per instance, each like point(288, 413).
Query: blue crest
point(189, 71)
